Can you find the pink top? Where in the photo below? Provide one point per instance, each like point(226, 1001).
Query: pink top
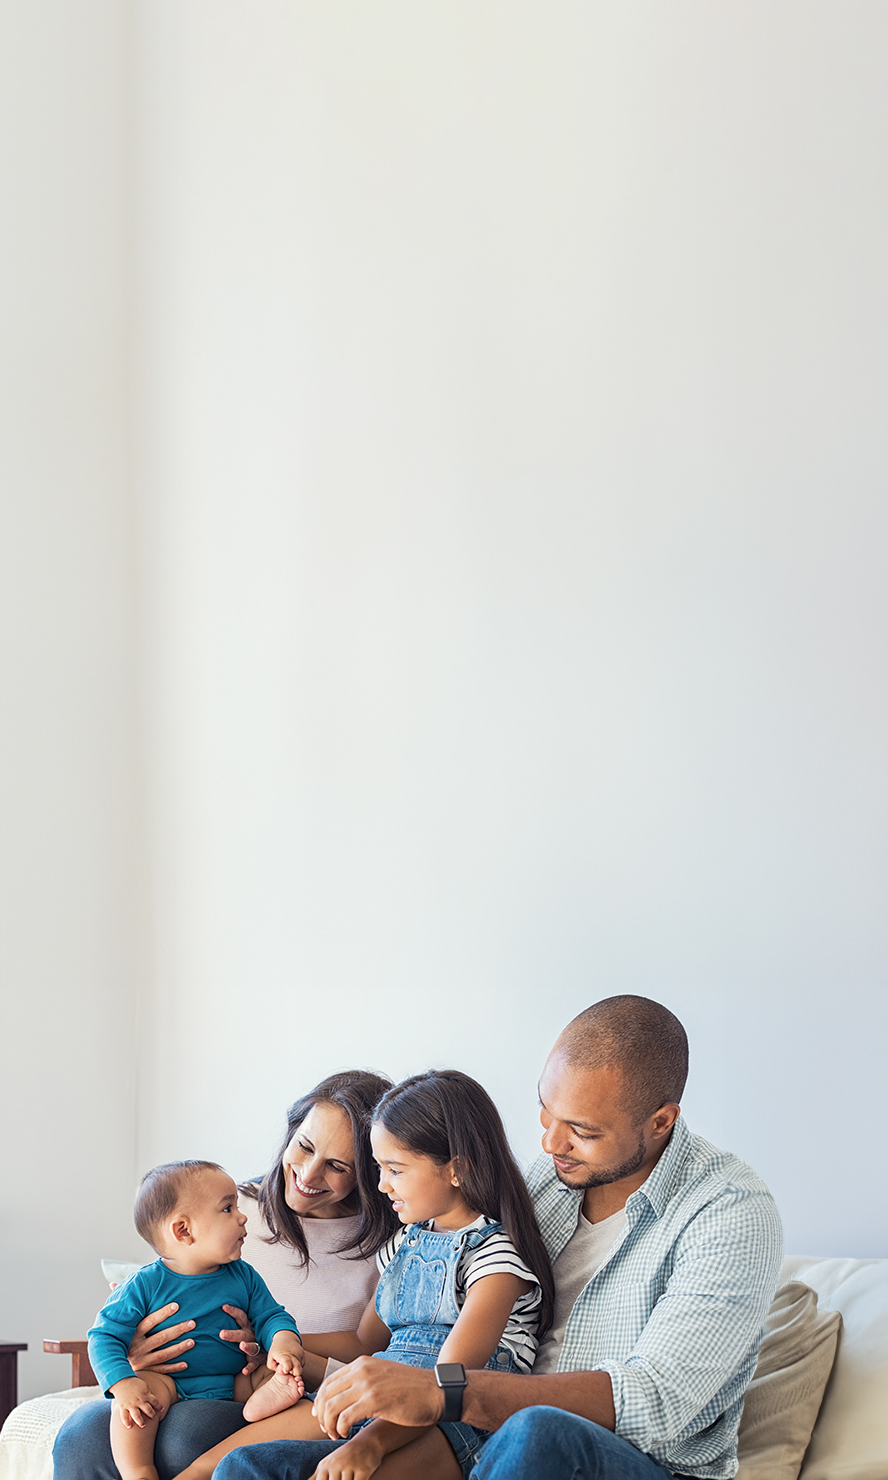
point(328, 1294)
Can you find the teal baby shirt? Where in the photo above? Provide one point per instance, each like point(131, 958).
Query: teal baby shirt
point(212, 1362)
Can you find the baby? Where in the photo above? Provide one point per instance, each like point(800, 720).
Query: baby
point(187, 1211)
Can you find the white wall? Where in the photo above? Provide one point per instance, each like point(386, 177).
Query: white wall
point(73, 879)
point(517, 514)
point(510, 490)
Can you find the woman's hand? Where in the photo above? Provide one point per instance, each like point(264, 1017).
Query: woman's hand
point(245, 1337)
point(156, 1353)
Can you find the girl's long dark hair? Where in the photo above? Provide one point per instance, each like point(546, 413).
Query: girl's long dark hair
point(448, 1116)
point(355, 1092)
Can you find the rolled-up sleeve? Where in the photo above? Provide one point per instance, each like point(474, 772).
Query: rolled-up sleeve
point(704, 1329)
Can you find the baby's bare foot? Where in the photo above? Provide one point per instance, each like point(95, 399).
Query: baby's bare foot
point(274, 1396)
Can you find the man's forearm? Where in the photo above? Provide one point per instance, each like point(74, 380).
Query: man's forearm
point(373, 1387)
point(492, 1397)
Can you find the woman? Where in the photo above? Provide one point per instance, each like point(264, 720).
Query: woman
point(316, 1221)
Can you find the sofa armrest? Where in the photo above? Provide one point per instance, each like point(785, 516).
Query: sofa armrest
point(82, 1374)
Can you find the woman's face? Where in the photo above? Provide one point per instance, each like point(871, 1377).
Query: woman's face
point(319, 1165)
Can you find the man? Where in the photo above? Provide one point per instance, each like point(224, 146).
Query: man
point(666, 1254)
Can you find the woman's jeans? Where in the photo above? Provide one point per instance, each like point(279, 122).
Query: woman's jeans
point(535, 1444)
point(82, 1450)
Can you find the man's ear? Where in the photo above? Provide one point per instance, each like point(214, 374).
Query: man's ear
point(179, 1230)
point(662, 1122)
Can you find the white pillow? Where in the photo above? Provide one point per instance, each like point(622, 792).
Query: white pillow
point(784, 1397)
point(850, 1441)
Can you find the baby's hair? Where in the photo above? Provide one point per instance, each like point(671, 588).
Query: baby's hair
point(447, 1116)
point(160, 1194)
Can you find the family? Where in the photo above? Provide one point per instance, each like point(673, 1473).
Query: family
point(601, 1318)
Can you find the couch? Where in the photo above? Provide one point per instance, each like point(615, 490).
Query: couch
point(824, 1362)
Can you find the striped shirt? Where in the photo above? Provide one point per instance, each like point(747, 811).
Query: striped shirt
point(497, 1255)
point(675, 1312)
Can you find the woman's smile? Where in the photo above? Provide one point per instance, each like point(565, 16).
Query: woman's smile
point(307, 1191)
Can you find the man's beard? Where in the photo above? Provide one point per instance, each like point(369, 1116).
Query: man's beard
point(610, 1174)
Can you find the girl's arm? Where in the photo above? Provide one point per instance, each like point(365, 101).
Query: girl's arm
point(482, 1320)
point(473, 1341)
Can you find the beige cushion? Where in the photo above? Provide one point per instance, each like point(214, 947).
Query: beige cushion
point(850, 1440)
point(785, 1394)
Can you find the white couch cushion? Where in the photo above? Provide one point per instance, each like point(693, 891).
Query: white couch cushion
point(850, 1440)
point(785, 1394)
point(28, 1434)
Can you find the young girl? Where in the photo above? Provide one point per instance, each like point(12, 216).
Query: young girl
point(465, 1279)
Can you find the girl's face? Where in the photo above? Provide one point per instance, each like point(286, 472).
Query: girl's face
point(319, 1165)
point(419, 1189)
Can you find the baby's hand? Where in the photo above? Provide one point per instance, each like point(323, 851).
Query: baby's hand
point(357, 1460)
point(136, 1402)
point(285, 1355)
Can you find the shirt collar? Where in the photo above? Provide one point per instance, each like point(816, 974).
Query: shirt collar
point(660, 1185)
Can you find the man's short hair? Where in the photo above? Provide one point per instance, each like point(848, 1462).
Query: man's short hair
point(162, 1192)
point(641, 1038)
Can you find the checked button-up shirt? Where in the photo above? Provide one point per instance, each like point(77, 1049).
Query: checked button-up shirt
point(675, 1313)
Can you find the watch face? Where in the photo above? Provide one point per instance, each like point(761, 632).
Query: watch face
point(448, 1372)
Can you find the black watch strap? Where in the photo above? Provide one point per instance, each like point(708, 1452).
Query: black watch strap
point(451, 1379)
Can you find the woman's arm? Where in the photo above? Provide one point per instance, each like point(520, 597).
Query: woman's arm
point(372, 1335)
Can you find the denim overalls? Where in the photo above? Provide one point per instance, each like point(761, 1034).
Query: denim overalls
point(416, 1298)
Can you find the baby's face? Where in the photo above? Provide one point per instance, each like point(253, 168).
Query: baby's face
point(218, 1229)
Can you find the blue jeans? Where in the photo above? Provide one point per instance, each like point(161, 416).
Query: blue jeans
point(535, 1444)
point(82, 1450)
point(559, 1446)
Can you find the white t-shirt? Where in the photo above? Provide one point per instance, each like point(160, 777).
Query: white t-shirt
point(332, 1291)
point(496, 1255)
point(580, 1259)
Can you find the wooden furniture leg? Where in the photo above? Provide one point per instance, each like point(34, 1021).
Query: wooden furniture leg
point(82, 1374)
point(9, 1351)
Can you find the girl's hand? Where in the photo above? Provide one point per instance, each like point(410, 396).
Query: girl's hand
point(136, 1402)
point(156, 1353)
point(357, 1460)
point(245, 1337)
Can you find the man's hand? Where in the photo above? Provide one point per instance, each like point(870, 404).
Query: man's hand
point(136, 1402)
point(156, 1353)
point(371, 1387)
point(245, 1337)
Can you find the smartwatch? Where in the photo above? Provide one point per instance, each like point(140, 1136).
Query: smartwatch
point(451, 1379)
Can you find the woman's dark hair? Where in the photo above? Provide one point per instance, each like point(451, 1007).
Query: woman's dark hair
point(448, 1116)
point(355, 1092)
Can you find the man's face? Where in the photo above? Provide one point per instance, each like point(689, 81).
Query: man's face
point(590, 1135)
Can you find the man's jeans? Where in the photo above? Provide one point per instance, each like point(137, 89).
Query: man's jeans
point(535, 1444)
point(547, 1442)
